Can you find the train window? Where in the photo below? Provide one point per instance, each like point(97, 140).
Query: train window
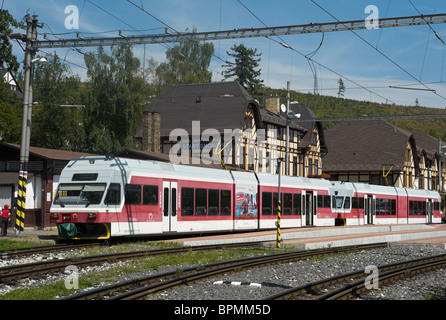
point(355, 203)
point(113, 194)
point(320, 201)
point(327, 202)
point(79, 193)
point(150, 195)
point(423, 208)
point(187, 201)
point(436, 206)
point(200, 202)
point(84, 177)
point(133, 194)
point(380, 207)
point(287, 204)
point(267, 203)
point(393, 207)
point(360, 203)
point(338, 202)
point(275, 203)
point(416, 208)
point(297, 211)
point(213, 199)
point(347, 203)
point(166, 202)
point(225, 202)
point(388, 207)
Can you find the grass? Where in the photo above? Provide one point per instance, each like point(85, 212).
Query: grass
point(58, 289)
point(14, 244)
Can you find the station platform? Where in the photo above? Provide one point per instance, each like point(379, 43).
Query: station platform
point(320, 237)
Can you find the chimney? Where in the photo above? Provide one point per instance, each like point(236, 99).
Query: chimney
point(151, 127)
point(273, 104)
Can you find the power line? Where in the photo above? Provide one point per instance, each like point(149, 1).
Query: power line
point(371, 118)
point(435, 32)
point(247, 33)
point(167, 26)
point(310, 55)
point(380, 52)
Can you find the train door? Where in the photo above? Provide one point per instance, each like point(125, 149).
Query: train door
point(429, 210)
point(369, 209)
point(170, 206)
point(308, 209)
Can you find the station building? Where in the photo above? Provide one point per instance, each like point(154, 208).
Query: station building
point(380, 153)
point(44, 168)
point(221, 120)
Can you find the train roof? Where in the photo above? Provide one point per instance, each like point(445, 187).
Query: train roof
point(290, 182)
point(132, 167)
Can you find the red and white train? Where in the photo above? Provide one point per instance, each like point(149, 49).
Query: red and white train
point(99, 198)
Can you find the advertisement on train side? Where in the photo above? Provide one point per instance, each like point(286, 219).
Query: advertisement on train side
point(246, 202)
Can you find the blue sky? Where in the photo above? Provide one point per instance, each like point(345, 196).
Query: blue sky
point(413, 54)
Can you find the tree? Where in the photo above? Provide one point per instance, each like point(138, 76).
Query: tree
point(341, 88)
point(187, 62)
point(10, 115)
point(54, 87)
point(7, 59)
point(114, 99)
point(244, 69)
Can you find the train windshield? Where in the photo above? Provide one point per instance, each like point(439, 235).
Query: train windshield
point(79, 193)
point(338, 202)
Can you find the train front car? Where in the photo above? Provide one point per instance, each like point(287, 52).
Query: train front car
point(89, 198)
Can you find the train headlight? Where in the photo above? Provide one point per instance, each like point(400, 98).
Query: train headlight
point(92, 215)
point(54, 215)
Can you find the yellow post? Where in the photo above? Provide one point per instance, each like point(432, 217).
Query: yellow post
point(20, 214)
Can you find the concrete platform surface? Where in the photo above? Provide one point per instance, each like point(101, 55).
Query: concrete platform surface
point(319, 237)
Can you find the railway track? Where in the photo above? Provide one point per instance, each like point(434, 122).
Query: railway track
point(142, 287)
point(353, 284)
point(15, 272)
point(21, 252)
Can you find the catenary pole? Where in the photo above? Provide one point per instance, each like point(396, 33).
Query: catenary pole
point(31, 35)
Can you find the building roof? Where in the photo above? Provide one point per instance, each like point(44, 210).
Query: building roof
point(9, 79)
point(366, 146)
point(219, 106)
point(305, 114)
point(427, 143)
point(278, 119)
point(48, 154)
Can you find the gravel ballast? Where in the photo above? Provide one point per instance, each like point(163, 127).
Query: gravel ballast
point(262, 282)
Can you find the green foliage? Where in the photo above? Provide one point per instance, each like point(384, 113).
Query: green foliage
point(114, 99)
point(7, 59)
point(53, 87)
point(187, 62)
point(328, 106)
point(244, 69)
point(10, 115)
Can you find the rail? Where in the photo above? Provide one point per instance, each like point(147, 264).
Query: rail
point(352, 284)
point(145, 286)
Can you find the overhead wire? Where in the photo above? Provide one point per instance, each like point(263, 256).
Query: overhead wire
point(286, 45)
point(380, 52)
point(167, 26)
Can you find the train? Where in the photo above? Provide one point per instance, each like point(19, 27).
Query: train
point(102, 198)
